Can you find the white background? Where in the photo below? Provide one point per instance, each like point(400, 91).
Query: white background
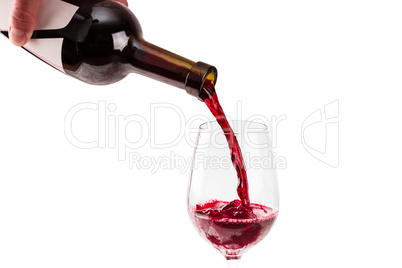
point(61, 206)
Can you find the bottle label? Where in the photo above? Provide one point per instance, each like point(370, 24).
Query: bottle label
point(53, 14)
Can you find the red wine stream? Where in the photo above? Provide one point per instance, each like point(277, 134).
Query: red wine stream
point(236, 156)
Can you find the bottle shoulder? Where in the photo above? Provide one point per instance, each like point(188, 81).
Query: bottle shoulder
point(108, 17)
point(95, 39)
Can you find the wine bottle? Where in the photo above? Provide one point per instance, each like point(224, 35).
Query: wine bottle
point(100, 42)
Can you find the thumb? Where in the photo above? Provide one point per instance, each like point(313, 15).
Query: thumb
point(124, 2)
point(22, 20)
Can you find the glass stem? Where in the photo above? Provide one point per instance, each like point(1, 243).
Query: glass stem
point(233, 263)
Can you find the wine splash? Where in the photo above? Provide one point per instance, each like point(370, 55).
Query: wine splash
point(231, 228)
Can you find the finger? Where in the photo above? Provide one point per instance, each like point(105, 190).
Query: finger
point(124, 2)
point(22, 20)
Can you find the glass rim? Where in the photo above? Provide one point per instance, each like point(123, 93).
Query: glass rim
point(259, 127)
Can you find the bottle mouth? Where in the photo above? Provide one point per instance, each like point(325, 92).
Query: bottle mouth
point(198, 74)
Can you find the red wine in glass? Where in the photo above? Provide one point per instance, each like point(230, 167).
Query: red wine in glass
point(231, 228)
point(234, 226)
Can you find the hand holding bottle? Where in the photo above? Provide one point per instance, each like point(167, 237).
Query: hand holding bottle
point(98, 42)
point(23, 19)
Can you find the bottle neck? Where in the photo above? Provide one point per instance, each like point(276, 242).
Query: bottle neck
point(162, 65)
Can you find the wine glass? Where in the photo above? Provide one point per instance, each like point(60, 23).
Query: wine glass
point(214, 206)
